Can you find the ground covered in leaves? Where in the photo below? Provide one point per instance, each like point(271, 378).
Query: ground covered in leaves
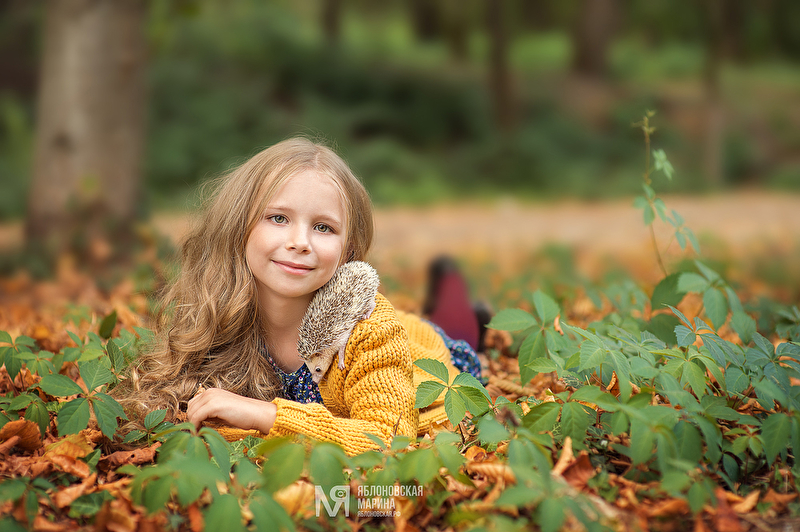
point(602, 409)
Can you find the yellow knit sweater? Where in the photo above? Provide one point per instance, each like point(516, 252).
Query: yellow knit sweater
point(376, 390)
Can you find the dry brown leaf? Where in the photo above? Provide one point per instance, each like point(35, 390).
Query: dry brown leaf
point(492, 470)
point(669, 507)
point(579, 471)
point(74, 445)
point(295, 497)
point(70, 465)
point(196, 521)
point(116, 516)
point(42, 524)
point(725, 520)
point(144, 455)
point(565, 459)
point(748, 503)
point(66, 496)
point(476, 454)
point(778, 500)
point(30, 438)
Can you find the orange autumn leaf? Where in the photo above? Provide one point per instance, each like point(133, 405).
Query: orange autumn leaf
point(476, 454)
point(70, 465)
point(28, 432)
point(74, 445)
point(66, 496)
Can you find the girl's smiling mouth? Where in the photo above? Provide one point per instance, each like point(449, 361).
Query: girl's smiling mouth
point(293, 267)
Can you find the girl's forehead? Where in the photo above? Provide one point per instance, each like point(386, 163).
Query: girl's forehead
point(308, 185)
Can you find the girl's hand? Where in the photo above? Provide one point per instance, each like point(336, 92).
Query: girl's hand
point(232, 409)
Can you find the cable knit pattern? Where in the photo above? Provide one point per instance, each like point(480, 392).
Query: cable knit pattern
point(374, 392)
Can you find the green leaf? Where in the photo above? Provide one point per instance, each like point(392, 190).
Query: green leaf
point(224, 513)
point(542, 365)
point(663, 327)
point(666, 292)
point(284, 466)
point(427, 393)
point(107, 325)
point(435, 368)
point(692, 282)
point(716, 307)
point(59, 386)
point(649, 215)
point(268, 514)
point(106, 415)
point(660, 162)
point(511, 320)
point(73, 417)
point(689, 444)
point(542, 417)
point(775, 433)
point(455, 407)
point(592, 354)
point(326, 466)
point(684, 335)
point(696, 378)
point(37, 412)
point(152, 419)
point(736, 381)
point(477, 401)
point(5, 338)
point(492, 431)
point(744, 326)
point(116, 355)
point(575, 421)
point(680, 315)
point(94, 374)
point(642, 440)
point(467, 379)
point(709, 274)
point(546, 307)
point(550, 514)
point(532, 348)
point(420, 464)
point(156, 494)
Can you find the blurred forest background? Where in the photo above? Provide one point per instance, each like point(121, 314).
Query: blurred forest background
point(115, 109)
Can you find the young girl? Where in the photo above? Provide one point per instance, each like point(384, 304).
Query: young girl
point(274, 232)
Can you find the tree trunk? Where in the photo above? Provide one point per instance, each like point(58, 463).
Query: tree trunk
point(499, 72)
point(91, 119)
point(597, 22)
point(332, 20)
point(457, 28)
point(713, 157)
point(425, 19)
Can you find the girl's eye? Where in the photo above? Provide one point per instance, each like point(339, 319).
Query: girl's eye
point(318, 370)
point(322, 228)
point(278, 218)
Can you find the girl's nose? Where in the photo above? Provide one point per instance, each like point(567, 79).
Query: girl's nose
point(298, 240)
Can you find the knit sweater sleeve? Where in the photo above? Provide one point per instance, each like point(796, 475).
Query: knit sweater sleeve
point(373, 394)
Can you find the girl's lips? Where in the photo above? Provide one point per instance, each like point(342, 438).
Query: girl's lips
point(291, 267)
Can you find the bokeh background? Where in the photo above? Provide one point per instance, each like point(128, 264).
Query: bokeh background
point(469, 112)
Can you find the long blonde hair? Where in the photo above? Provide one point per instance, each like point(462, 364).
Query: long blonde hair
point(208, 327)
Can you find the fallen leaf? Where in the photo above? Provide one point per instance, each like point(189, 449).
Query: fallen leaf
point(196, 521)
point(42, 524)
point(66, 496)
point(29, 436)
point(476, 454)
point(144, 455)
point(74, 445)
point(578, 473)
point(725, 520)
point(116, 516)
point(70, 465)
point(669, 507)
point(295, 497)
point(565, 459)
point(778, 500)
point(748, 503)
point(492, 470)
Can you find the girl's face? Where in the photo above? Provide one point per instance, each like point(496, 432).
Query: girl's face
point(299, 241)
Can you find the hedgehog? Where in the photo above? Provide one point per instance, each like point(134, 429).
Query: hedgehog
point(336, 308)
